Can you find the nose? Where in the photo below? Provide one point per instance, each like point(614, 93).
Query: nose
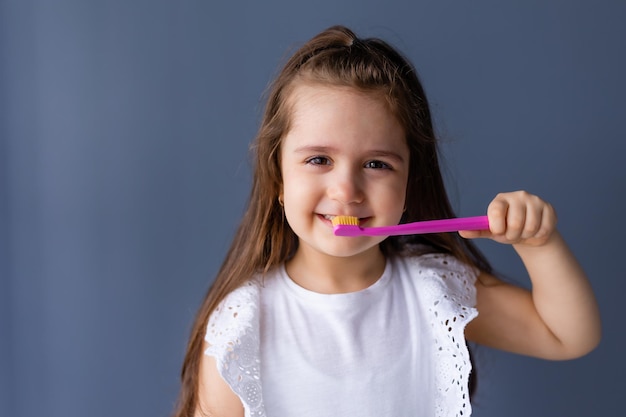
point(346, 188)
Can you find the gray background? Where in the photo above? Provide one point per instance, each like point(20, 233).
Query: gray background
point(124, 131)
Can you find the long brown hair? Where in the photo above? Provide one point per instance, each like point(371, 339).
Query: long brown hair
point(264, 239)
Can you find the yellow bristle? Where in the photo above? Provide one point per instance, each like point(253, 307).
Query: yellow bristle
point(345, 220)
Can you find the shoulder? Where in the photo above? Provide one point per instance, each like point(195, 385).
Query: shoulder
point(439, 262)
point(441, 272)
point(233, 317)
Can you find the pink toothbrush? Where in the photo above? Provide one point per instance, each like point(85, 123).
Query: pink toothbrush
point(349, 226)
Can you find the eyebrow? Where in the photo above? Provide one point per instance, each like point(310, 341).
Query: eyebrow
point(370, 153)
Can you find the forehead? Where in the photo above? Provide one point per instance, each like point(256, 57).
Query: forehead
point(337, 113)
point(304, 95)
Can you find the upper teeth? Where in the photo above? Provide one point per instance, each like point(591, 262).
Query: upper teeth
point(332, 216)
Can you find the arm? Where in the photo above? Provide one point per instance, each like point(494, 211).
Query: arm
point(215, 398)
point(559, 318)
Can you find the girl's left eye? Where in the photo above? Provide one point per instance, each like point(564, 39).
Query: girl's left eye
point(377, 165)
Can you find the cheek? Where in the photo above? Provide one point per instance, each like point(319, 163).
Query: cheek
point(296, 190)
point(394, 192)
point(395, 209)
point(395, 201)
point(298, 204)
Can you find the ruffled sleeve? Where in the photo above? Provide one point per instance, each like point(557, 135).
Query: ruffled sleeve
point(449, 295)
point(233, 339)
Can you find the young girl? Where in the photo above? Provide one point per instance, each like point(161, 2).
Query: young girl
point(300, 322)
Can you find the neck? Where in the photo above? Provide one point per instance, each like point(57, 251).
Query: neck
point(327, 274)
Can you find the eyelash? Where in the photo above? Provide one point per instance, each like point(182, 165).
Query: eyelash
point(323, 160)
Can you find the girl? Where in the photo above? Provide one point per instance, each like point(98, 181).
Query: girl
point(300, 322)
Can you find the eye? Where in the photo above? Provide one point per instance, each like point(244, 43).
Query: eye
point(318, 160)
point(375, 164)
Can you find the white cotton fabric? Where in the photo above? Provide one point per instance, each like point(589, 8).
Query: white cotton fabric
point(395, 348)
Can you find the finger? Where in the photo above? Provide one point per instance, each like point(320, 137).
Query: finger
point(496, 212)
point(515, 221)
point(548, 221)
point(534, 219)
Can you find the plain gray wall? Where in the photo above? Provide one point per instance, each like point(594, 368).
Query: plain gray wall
point(124, 131)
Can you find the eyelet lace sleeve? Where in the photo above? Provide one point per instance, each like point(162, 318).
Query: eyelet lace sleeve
point(450, 297)
point(233, 339)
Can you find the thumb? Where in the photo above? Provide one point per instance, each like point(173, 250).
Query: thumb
point(475, 234)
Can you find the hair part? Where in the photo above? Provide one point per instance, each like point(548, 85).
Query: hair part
point(264, 240)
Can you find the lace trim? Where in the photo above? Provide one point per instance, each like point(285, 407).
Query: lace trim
point(447, 289)
point(233, 338)
point(450, 295)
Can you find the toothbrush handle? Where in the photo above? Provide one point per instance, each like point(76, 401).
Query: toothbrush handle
point(437, 226)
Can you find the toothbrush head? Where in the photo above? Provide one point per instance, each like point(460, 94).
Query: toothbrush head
point(346, 226)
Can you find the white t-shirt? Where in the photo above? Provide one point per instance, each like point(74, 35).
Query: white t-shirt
point(393, 349)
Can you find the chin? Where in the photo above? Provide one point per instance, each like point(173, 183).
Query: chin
point(349, 248)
